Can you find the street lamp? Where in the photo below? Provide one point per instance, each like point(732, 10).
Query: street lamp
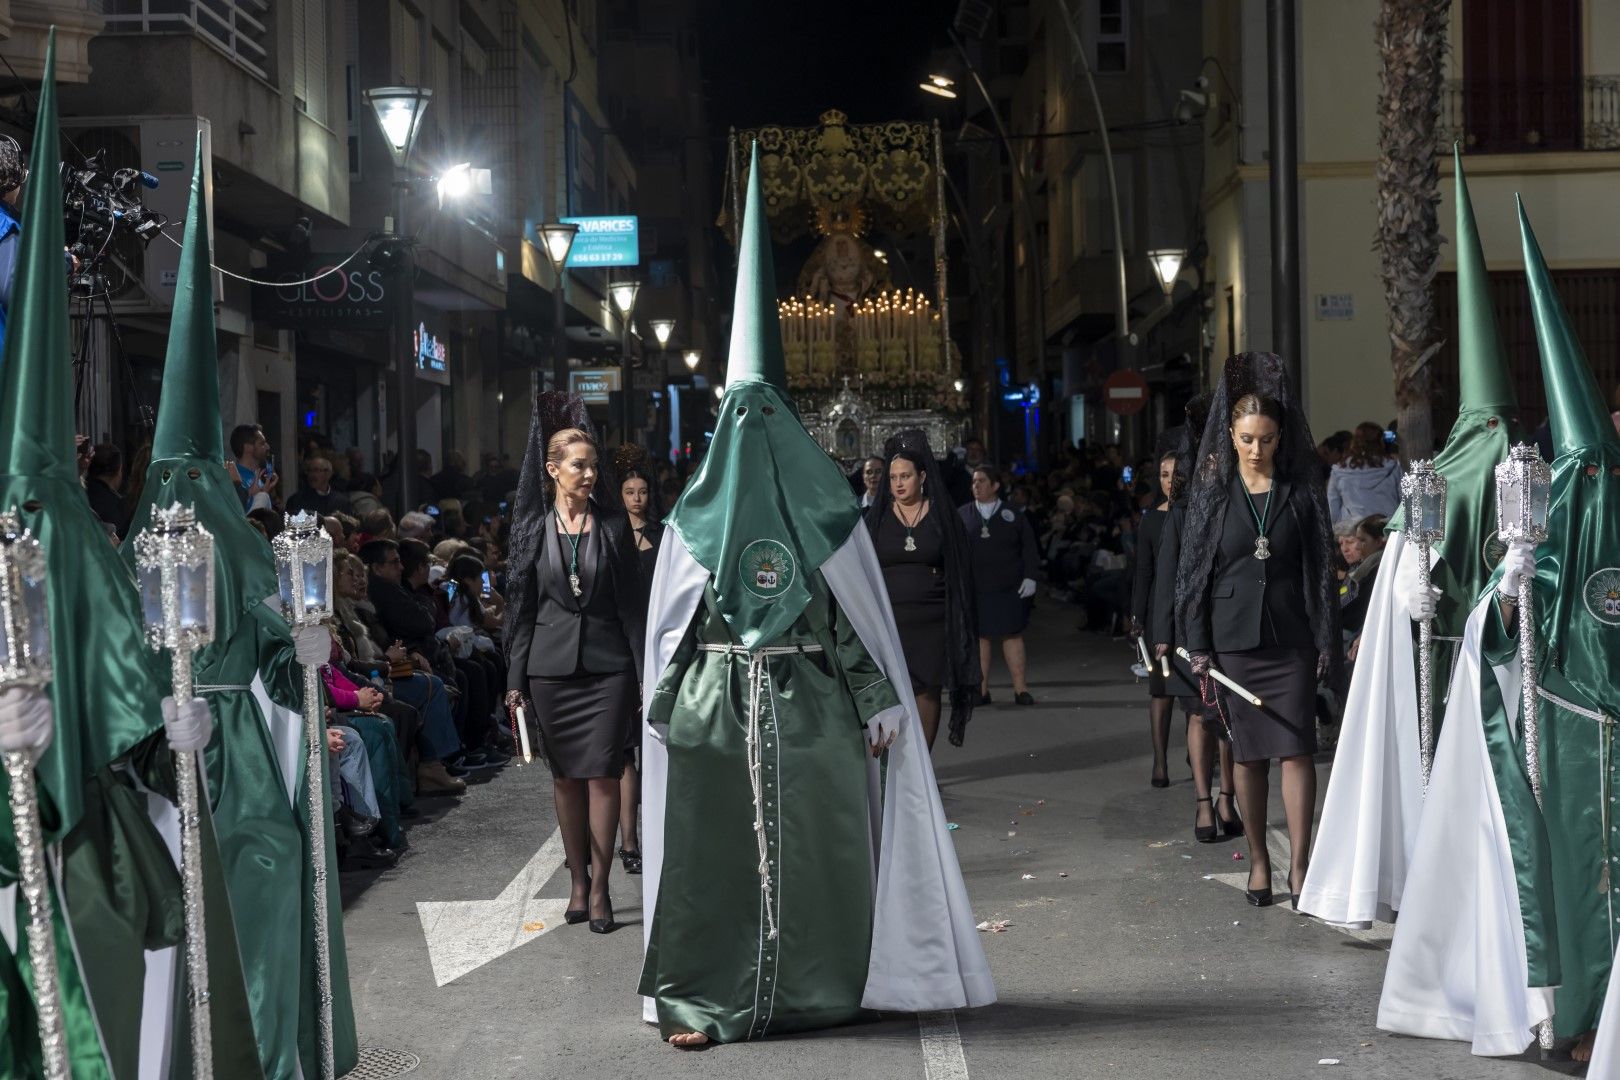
point(1167, 266)
point(461, 181)
point(623, 294)
point(662, 329)
point(557, 237)
point(940, 86)
point(692, 358)
point(399, 111)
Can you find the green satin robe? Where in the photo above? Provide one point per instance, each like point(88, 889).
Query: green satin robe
point(262, 843)
point(1567, 854)
point(711, 965)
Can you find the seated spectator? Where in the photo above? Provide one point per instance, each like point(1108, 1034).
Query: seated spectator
point(318, 496)
point(104, 483)
point(354, 798)
point(376, 525)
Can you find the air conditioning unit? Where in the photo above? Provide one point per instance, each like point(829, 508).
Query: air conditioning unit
point(141, 277)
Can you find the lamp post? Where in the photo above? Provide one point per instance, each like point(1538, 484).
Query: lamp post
point(399, 111)
point(558, 239)
point(623, 293)
point(1167, 268)
point(25, 660)
point(303, 553)
point(692, 358)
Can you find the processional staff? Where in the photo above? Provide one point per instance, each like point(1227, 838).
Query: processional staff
point(174, 565)
point(1523, 497)
point(25, 662)
point(1423, 492)
point(303, 553)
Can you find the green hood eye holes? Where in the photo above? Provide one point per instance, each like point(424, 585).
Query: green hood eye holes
point(769, 410)
point(742, 410)
point(194, 473)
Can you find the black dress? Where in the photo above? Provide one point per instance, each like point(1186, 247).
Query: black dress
point(1002, 548)
point(578, 656)
point(916, 586)
point(1252, 615)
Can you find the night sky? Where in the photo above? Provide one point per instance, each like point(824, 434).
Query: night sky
point(769, 61)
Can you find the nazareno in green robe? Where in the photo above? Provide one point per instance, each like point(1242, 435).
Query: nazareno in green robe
point(736, 952)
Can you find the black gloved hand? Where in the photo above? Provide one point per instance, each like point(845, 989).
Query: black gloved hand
point(1201, 663)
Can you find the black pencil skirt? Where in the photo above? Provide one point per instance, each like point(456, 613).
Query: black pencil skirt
point(1284, 680)
point(584, 723)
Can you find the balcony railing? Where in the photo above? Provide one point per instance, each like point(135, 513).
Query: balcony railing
point(1510, 118)
point(236, 27)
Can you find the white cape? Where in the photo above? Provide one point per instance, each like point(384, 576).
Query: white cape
point(1458, 967)
point(1370, 818)
point(926, 953)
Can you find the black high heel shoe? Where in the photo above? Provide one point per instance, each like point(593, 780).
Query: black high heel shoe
point(631, 860)
point(575, 916)
point(1204, 834)
point(1160, 781)
point(1232, 826)
point(1261, 897)
point(607, 925)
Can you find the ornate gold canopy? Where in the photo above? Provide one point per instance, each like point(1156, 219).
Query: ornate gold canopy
point(840, 177)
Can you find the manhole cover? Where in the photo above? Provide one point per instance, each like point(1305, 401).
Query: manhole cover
point(379, 1062)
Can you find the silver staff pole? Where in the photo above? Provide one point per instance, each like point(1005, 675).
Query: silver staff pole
point(25, 660)
point(304, 566)
point(1423, 494)
point(174, 564)
point(1523, 497)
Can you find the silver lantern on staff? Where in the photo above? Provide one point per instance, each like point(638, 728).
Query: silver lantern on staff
point(25, 660)
point(303, 553)
point(174, 567)
point(1523, 497)
point(1423, 497)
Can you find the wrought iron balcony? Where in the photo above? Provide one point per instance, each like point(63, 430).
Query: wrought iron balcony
point(1513, 118)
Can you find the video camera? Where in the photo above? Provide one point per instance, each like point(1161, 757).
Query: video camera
point(102, 205)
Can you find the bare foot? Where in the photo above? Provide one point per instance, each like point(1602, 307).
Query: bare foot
point(690, 1040)
point(1583, 1047)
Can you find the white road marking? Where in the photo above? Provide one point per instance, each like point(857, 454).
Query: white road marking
point(1379, 934)
point(941, 1047)
point(464, 935)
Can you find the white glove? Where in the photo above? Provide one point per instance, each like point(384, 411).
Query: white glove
point(188, 727)
point(1518, 566)
point(26, 720)
point(880, 736)
point(1026, 589)
point(313, 644)
point(1421, 605)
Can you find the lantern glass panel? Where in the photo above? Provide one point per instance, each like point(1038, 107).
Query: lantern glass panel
point(317, 586)
point(39, 622)
point(1540, 492)
point(1509, 515)
point(288, 603)
point(196, 599)
point(150, 580)
point(1432, 506)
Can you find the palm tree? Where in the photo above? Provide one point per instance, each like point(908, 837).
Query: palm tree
point(1411, 38)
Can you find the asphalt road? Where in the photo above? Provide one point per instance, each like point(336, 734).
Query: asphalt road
point(1129, 952)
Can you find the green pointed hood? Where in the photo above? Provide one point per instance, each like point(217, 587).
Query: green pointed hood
point(188, 456)
point(767, 506)
point(1575, 406)
point(1578, 565)
point(191, 364)
point(1487, 426)
point(756, 330)
point(106, 683)
point(1485, 384)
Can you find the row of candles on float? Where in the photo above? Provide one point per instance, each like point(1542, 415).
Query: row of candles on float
point(895, 318)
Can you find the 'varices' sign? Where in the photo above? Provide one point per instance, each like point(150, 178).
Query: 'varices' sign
point(354, 297)
point(605, 241)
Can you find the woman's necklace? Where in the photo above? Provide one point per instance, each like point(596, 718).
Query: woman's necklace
point(573, 544)
point(911, 541)
point(1262, 546)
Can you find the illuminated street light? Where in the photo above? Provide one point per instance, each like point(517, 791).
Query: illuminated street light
point(1167, 265)
point(692, 357)
point(940, 86)
point(461, 181)
point(557, 238)
point(623, 294)
point(662, 329)
point(399, 112)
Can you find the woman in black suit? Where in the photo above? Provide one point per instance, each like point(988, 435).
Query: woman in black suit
point(1001, 545)
point(574, 641)
point(1255, 590)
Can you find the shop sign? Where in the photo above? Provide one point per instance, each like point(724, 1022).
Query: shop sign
point(354, 297)
point(432, 356)
point(593, 385)
point(605, 241)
